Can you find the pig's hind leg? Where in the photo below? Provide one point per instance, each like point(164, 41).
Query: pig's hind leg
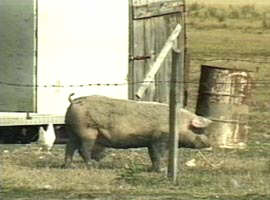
point(87, 143)
point(157, 149)
point(72, 145)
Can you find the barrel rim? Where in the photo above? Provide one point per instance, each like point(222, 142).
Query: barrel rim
point(224, 68)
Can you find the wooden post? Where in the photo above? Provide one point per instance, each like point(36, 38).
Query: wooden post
point(176, 102)
point(160, 58)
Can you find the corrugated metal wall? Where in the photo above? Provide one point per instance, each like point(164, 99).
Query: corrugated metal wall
point(17, 55)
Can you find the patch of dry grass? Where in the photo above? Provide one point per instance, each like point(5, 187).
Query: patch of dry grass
point(226, 3)
point(229, 14)
point(123, 174)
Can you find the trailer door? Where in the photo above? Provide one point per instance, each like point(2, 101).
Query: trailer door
point(17, 55)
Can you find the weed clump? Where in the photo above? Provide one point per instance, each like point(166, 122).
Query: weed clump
point(222, 12)
point(265, 21)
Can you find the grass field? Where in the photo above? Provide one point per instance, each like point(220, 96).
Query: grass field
point(223, 34)
point(260, 4)
point(218, 174)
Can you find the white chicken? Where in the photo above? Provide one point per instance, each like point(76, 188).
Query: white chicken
point(46, 137)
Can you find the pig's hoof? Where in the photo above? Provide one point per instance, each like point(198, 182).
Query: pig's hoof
point(154, 169)
point(91, 164)
point(65, 166)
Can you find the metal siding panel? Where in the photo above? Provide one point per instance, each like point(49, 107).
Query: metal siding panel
point(17, 49)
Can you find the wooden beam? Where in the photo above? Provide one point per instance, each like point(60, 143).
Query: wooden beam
point(159, 60)
point(148, 9)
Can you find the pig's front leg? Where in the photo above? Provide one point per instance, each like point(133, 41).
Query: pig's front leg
point(157, 150)
point(98, 152)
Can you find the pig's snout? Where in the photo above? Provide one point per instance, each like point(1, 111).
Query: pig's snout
point(201, 141)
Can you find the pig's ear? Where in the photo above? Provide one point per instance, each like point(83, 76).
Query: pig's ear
point(200, 122)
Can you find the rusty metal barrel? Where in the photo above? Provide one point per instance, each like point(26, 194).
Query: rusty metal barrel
point(223, 97)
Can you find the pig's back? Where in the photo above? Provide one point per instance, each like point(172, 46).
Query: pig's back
point(125, 114)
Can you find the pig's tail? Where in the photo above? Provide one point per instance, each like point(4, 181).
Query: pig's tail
point(69, 98)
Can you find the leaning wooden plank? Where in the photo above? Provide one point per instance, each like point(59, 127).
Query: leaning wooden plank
point(164, 73)
point(160, 58)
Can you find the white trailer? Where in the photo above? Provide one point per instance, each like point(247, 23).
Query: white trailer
point(51, 48)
